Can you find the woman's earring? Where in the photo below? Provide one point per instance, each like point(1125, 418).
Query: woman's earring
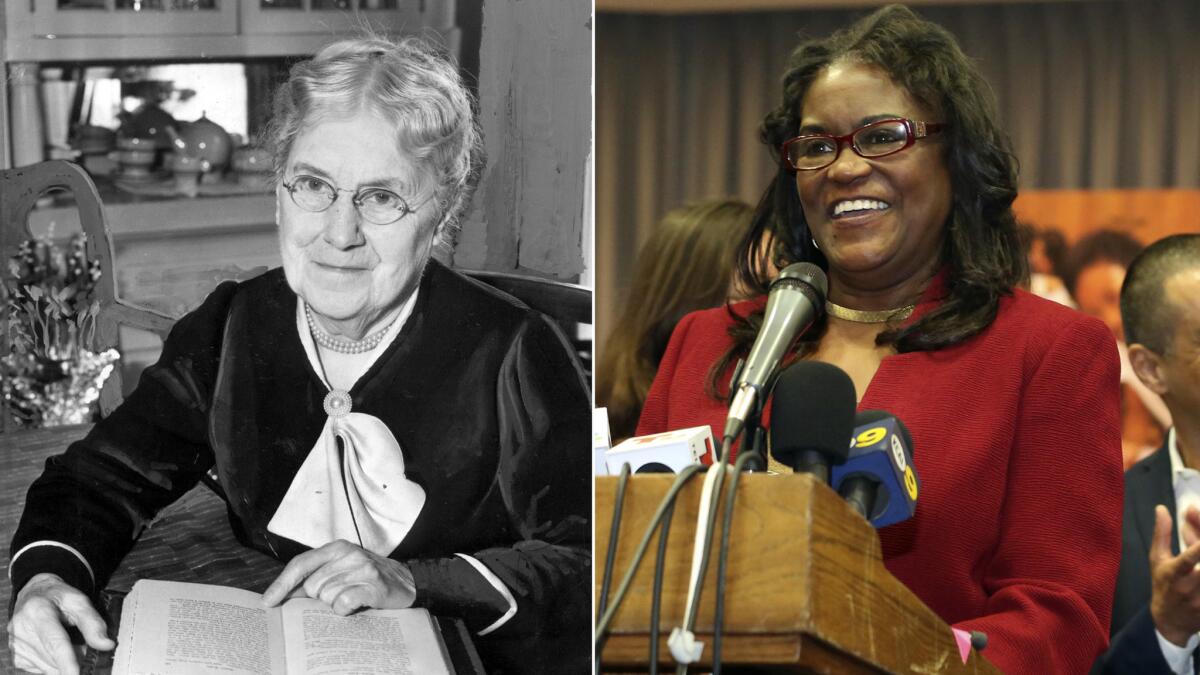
point(814, 241)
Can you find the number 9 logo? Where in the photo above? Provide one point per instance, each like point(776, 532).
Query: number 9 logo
point(871, 436)
point(910, 483)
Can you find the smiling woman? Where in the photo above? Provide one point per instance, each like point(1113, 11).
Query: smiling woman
point(399, 434)
point(895, 178)
point(352, 270)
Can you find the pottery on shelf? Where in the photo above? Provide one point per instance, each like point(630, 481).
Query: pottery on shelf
point(187, 170)
point(149, 121)
point(136, 157)
point(94, 140)
point(203, 139)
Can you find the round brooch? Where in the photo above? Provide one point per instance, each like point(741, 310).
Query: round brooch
point(337, 403)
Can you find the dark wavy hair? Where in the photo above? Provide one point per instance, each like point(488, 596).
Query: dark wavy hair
point(981, 251)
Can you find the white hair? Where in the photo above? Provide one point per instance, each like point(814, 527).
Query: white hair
point(407, 83)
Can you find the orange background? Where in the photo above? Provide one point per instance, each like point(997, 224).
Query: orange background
point(1148, 215)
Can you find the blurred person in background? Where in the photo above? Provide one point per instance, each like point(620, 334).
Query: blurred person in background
point(1156, 611)
point(686, 264)
point(1096, 269)
point(1046, 250)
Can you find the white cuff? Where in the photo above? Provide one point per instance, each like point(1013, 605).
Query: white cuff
point(59, 544)
point(499, 586)
point(1179, 659)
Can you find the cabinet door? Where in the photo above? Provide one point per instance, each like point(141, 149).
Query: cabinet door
point(339, 17)
point(63, 18)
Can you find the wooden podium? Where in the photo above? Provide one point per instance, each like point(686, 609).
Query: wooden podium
point(806, 589)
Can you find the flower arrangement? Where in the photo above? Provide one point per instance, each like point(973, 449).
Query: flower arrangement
point(51, 375)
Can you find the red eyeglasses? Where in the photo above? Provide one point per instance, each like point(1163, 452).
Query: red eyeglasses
point(877, 139)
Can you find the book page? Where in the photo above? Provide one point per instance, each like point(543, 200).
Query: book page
point(197, 629)
point(393, 642)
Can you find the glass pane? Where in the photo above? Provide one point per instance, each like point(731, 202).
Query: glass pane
point(139, 5)
point(377, 4)
point(81, 4)
point(331, 4)
point(280, 4)
point(193, 4)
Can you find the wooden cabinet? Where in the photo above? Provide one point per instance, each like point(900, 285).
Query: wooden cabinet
point(106, 30)
point(67, 18)
point(326, 17)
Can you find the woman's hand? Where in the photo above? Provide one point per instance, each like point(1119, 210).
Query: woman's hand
point(346, 577)
point(37, 634)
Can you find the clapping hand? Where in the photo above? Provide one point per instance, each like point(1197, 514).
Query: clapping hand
point(1175, 580)
point(346, 577)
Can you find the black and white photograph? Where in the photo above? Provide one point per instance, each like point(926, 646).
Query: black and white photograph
point(297, 336)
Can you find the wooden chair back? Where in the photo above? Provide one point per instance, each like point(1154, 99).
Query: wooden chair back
point(20, 190)
point(570, 305)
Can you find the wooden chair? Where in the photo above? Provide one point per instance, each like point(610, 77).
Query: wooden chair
point(20, 190)
point(568, 304)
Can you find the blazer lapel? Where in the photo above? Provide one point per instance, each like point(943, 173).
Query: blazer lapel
point(1150, 484)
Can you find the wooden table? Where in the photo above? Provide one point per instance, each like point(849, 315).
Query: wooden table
point(191, 540)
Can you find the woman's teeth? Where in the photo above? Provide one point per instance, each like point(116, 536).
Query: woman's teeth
point(854, 205)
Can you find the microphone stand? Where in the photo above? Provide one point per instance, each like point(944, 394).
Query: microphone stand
point(753, 442)
point(752, 434)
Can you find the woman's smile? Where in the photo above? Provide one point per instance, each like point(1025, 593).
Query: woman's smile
point(334, 268)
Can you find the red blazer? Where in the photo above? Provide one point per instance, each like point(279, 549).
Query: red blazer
point(1017, 443)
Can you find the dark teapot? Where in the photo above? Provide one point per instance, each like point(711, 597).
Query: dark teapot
point(203, 139)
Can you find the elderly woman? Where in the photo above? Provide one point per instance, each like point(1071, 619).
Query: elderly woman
point(402, 435)
point(896, 178)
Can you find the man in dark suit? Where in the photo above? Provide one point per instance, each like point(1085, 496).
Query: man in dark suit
point(1156, 611)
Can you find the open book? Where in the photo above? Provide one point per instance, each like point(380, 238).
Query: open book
point(197, 629)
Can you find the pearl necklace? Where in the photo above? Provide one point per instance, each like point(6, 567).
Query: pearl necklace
point(344, 346)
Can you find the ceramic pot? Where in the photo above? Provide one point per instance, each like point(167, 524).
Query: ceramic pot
point(205, 140)
point(150, 121)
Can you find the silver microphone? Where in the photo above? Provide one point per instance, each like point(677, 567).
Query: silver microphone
point(795, 300)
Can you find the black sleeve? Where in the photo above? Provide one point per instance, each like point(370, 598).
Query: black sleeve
point(545, 478)
point(100, 494)
point(1134, 649)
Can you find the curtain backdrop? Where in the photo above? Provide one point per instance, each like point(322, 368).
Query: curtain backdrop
point(1096, 95)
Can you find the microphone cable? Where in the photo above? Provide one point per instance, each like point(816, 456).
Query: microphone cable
point(697, 587)
point(606, 618)
point(614, 530)
point(656, 588)
point(723, 556)
point(611, 554)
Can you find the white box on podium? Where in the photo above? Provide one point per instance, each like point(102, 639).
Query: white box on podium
point(601, 441)
point(667, 452)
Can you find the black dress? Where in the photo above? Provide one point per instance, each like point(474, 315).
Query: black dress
point(482, 393)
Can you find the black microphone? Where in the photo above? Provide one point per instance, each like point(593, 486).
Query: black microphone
point(812, 417)
point(878, 479)
point(796, 299)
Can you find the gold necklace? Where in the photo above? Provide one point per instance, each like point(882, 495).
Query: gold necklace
point(867, 315)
